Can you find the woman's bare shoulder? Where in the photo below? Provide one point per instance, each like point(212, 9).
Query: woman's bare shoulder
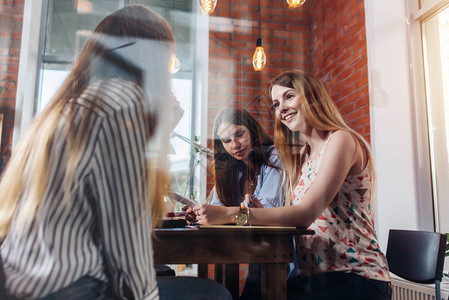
point(342, 137)
point(349, 146)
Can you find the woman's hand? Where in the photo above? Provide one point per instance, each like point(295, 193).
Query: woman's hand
point(215, 214)
point(190, 215)
point(252, 202)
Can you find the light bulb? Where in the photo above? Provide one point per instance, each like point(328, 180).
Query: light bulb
point(175, 64)
point(208, 6)
point(259, 57)
point(295, 3)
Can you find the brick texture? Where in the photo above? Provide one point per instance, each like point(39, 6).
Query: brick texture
point(324, 37)
point(234, 29)
point(339, 57)
point(11, 17)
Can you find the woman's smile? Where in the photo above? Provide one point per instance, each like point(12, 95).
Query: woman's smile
point(289, 116)
point(286, 103)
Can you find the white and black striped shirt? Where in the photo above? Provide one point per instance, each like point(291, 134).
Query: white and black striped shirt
point(106, 206)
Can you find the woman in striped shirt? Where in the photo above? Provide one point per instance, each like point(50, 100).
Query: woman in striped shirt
point(80, 195)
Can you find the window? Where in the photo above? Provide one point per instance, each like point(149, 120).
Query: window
point(435, 32)
point(66, 26)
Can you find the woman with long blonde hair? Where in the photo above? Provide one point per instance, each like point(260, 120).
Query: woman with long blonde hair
point(330, 180)
point(82, 191)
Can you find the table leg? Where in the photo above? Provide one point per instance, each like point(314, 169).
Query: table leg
point(202, 270)
point(274, 281)
point(231, 280)
point(218, 273)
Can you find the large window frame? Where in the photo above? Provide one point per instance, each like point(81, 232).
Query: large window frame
point(422, 16)
point(32, 61)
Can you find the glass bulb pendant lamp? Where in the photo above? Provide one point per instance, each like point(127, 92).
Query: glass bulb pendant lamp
point(208, 6)
point(295, 3)
point(259, 57)
point(175, 64)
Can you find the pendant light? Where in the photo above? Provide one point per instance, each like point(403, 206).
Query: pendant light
point(259, 57)
point(175, 64)
point(295, 3)
point(208, 6)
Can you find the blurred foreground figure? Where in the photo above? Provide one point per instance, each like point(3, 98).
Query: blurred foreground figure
point(82, 191)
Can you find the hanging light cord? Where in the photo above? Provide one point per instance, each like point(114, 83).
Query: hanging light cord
point(173, 17)
point(259, 18)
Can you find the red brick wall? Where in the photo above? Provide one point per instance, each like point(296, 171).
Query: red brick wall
point(11, 16)
point(325, 37)
point(339, 57)
point(233, 34)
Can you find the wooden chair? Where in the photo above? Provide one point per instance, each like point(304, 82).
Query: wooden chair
point(417, 256)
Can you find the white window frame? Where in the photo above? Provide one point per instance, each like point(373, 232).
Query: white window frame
point(420, 15)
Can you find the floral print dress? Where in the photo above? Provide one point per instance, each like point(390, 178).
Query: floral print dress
point(344, 238)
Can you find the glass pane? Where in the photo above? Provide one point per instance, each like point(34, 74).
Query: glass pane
point(68, 20)
point(424, 2)
point(69, 24)
point(436, 52)
point(179, 14)
point(180, 158)
point(52, 77)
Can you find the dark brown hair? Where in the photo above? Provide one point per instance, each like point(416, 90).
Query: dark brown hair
point(229, 185)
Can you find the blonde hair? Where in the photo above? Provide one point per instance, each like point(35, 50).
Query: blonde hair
point(28, 166)
point(321, 113)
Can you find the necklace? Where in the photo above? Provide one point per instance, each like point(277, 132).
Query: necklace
point(320, 148)
point(254, 180)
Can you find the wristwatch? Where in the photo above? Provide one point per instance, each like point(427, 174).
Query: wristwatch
point(242, 217)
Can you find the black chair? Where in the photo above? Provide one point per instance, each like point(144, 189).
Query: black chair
point(190, 288)
point(417, 256)
point(3, 294)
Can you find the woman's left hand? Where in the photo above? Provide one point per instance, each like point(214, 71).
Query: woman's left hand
point(252, 202)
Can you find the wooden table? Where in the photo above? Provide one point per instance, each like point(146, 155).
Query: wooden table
point(231, 245)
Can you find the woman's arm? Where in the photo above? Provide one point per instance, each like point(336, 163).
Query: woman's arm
point(340, 155)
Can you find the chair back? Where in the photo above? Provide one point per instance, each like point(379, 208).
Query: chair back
point(3, 294)
point(416, 255)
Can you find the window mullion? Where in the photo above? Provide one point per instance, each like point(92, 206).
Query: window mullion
point(430, 9)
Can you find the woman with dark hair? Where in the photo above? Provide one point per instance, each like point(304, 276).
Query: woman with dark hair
point(245, 161)
point(80, 197)
point(245, 164)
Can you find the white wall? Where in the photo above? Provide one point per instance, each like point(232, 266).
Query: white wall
point(403, 197)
